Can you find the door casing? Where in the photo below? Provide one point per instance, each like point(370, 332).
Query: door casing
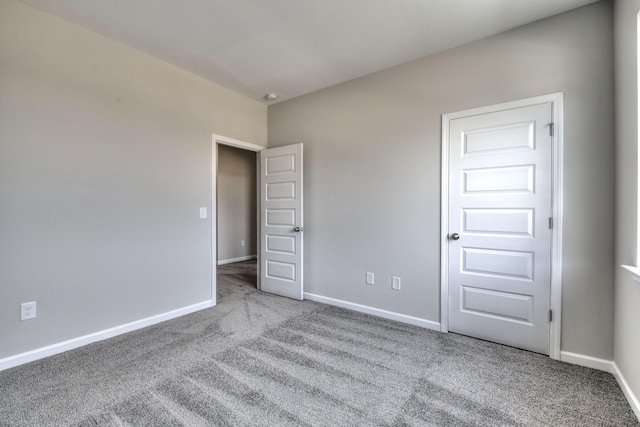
point(557, 196)
point(215, 140)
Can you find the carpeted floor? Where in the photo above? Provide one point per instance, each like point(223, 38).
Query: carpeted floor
point(258, 359)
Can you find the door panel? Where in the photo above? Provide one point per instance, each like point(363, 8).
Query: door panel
point(497, 263)
point(502, 305)
point(281, 245)
point(502, 179)
point(499, 204)
point(513, 222)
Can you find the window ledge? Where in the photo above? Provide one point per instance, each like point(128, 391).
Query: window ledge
point(635, 271)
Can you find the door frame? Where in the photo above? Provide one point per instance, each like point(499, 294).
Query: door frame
point(556, 100)
point(215, 140)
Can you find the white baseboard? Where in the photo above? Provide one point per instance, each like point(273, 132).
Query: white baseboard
point(607, 366)
point(587, 361)
point(628, 393)
point(232, 260)
point(424, 323)
point(50, 350)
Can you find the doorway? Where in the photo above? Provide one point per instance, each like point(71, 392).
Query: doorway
point(236, 219)
point(230, 249)
point(501, 223)
point(281, 195)
point(236, 205)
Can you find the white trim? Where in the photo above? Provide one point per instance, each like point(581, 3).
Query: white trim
point(215, 140)
point(557, 210)
point(606, 366)
point(444, 228)
point(239, 259)
point(587, 361)
point(237, 143)
point(635, 271)
point(214, 216)
point(557, 199)
point(50, 350)
point(628, 393)
point(416, 321)
point(636, 64)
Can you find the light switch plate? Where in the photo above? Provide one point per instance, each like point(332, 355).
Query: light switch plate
point(203, 212)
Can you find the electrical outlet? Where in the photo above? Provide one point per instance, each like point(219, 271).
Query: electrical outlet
point(370, 278)
point(395, 283)
point(28, 310)
point(242, 243)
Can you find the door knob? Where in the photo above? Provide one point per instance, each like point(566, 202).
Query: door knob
point(454, 236)
point(298, 229)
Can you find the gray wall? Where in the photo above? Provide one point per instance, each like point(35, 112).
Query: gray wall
point(372, 167)
point(237, 203)
point(627, 295)
point(105, 159)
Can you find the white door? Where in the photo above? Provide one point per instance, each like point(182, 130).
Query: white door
point(499, 237)
point(281, 221)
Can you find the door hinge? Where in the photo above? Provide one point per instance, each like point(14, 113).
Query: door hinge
point(550, 315)
point(551, 129)
point(550, 223)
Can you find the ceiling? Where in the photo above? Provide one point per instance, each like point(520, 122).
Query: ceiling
point(293, 47)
